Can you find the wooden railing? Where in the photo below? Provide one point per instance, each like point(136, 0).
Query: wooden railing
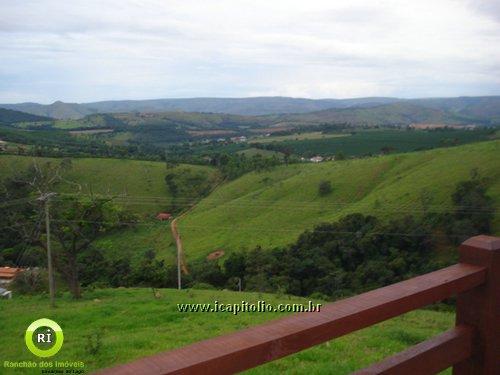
point(472, 347)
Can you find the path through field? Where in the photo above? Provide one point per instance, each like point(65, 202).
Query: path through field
point(177, 236)
point(178, 243)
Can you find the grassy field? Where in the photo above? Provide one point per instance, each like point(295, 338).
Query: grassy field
point(68, 124)
point(251, 152)
point(133, 243)
point(296, 137)
point(273, 208)
point(135, 324)
point(366, 142)
point(141, 183)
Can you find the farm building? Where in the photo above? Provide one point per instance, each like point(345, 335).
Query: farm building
point(316, 159)
point(164, 216)
point(4, 293)
point(7, 274)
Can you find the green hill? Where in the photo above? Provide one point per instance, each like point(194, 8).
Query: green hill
point(272, 208)
point(9, 116)
point(57, 109)
point(134, 324)
point(139, 185)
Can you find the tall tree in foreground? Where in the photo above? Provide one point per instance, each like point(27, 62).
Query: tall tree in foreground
point(76, 224)
point(75, 220)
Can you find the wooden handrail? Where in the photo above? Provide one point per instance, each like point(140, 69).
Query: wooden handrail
point(428, 357)
point(471, 279)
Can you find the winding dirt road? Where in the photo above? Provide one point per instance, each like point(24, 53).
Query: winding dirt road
point(177, 235)
point(178, 243)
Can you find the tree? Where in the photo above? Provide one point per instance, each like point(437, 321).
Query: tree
point(472, 203)
point(324, 188)
point(234, 266)
point(473, 209)
point(77, 222)
point(340, 156)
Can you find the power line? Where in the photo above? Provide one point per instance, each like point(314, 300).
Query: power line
point(257, 228)
point(281, 205)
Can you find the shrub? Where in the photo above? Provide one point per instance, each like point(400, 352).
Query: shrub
point(94, 342)
point(324, 188)
point(31, 281)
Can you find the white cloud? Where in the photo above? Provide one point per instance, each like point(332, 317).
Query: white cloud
point(85, 50)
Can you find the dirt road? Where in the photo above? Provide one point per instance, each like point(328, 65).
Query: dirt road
point(178, 243)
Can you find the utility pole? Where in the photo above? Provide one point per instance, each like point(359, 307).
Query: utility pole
point(178, 243)
point(179, 285)
point(46, 199)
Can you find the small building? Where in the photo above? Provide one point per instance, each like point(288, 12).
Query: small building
point(317, 159)
point(162, 216)
point(215, 255)
point(7, 274)
point(239, 139)
point(3, 145)
point(4, 293)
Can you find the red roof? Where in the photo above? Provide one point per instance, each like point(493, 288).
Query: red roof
point(9, 272)
point(163, 216)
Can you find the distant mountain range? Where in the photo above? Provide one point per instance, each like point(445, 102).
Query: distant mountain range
point(371, 110)
point(237, 106)
point(399, 113)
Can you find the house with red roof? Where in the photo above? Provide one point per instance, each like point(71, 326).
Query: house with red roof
point(7, 274)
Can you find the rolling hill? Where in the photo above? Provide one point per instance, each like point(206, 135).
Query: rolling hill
point(400, 113)
point(272, 208)
point(483, 108)
point(237, 106)
point(57, 109)
point(9, 116)
point(138, 185)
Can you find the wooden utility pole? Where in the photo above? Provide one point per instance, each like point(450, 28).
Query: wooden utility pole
point(46, 199)
point(178, 243)
point(179, 282)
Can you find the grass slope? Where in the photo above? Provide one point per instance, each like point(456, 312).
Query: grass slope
point(144, 189)
point(134, 324)
point(251, 152)
point(142, 181)
point(9, 116)
point(273, 208)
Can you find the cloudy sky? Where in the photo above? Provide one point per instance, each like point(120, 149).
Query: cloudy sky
point(89, 50)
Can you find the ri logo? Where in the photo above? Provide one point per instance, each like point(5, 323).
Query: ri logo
point(44, 337)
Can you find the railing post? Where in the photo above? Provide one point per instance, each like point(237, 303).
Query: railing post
point(480, 307)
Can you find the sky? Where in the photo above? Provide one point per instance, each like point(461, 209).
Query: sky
point(91, 50)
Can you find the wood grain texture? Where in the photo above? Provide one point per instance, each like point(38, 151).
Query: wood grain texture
point(428, 357)
point(480, 307)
